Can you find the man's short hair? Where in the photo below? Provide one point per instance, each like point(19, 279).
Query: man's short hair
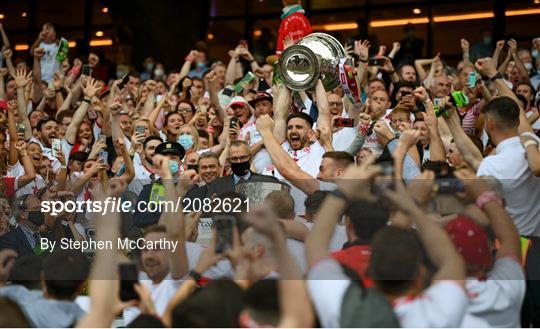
point(155, 228)
point(504, 111)
point(151, 138)
point(208, 154)
point(65, 114)
point(203, 133)
point(44, 121)
point(314, 201)
point(367, 218)
point(521, 83)
point(282, 203)
point(64, 271)
point(239, 143)
point(396, 256)
point(27, 271)
point(376, 80)
point(306, 117)
point(342, 158)
point(262, 304)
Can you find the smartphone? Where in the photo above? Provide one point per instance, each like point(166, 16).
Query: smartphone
point(124, 81)
point(376, 62)
point(86, 70)
point(56, 146)
point(129, 276)
point(104, 156)
point(102, 137)
point(140, 129)
point(193, 167)
point(21, 128)
point(449, 185)
point(344, 122)
point(235, 122)
point(471, 80)
point(227, 92)
point(385, 180)
point(224, 232)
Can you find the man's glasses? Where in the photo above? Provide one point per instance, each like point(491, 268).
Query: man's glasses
point(242, 158)
point(335, 104)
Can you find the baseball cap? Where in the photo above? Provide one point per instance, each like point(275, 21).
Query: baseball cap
point(171, 148)
point(261, 95)
point(238, 100)
point(471, 240)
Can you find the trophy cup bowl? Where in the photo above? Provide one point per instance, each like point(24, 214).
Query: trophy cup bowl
point(257, 191)
point(316, 55)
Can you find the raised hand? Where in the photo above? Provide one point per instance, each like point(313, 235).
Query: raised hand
point(388, 66)
point(264, 123)
point(464, 44)
point(409, 138)
point(8, 53)
point(22, 79)
point(421, 94)
point(512, 45)
point(161, 166)
point(356, 181)
point(3, 72)
point(39, 52)
point(91, 88)
point(486, 67)
point(500, 45)
point(396, 46)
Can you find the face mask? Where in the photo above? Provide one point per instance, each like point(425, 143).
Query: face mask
point(173, 166)
point(487, 40)
point(201, 65)
point(528, 66)
point(36, 217)
point(119, 74)
point(240, 168)
point(186, 141)
point(149, 67)
point(534, 53)
point(158, 72)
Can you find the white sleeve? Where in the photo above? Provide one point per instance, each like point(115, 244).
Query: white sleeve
point(442, 305)
point(327, 284)
point(507, 279)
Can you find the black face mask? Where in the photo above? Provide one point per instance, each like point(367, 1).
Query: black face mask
point(193, 167)
point(36, 217)
point(240, 168)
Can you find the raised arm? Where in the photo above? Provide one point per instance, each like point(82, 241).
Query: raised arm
point(8, 53)
point(89, 91)
point(294, 302)
point(439, 247)
point(5, 40)
point(173, 218)
point(22, 80)
point(37, 92)
point(26, 161)
point(501, 223)
point(281, 111)
point(324, 119)
point(230, 73)
point(103, 283)
point(419, 66)
point(150, 98)
point(286, 166)
point(465, 52)
point(497, 52)
point(533, 152)
point(211, 82)
point(436, 147)
point(519, 64)
point(184, 71)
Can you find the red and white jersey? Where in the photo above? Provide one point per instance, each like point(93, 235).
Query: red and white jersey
point(31, 188)
point(143, 175)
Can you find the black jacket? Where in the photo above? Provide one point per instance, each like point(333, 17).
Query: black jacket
point(16, 240)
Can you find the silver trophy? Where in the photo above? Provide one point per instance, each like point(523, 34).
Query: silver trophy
point(257, 191)
point(316, 55)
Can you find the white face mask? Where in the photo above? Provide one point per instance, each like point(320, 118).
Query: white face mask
point(158, 72)
point(528, 66)
point(534, 53)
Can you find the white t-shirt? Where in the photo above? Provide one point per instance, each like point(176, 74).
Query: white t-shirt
point(498, 299)
point(161, 295)
point(31, 188)
point(339, 237)
point(49, 64)
point(521, 189)
point(298, 253)
point(342, 139)
point(47, 151)
point(142, 175)
point(442, 305)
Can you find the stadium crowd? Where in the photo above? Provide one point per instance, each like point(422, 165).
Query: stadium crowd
point(418, 206)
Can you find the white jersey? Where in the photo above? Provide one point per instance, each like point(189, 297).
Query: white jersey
point(47, 151)
point(308, 159)
point(143, 175)
point(49, 64)
point(342, 139)
point(31, 188)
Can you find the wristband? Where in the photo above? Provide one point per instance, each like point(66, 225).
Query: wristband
point(363, 60)
point(251, 61)
point(63, 167)
point(487, 197)
point(86, 100)
point(529, 143)
point(496, 76)
point(194, 275)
